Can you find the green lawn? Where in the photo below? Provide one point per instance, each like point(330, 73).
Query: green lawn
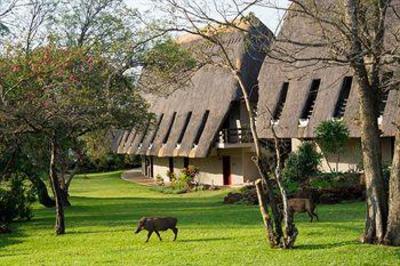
point(105, 210)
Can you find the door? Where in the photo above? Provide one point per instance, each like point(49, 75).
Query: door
point(226, 169)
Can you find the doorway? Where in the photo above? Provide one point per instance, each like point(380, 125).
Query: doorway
point(171, 164)
point(186, 162)
point(226, 169)
point(148, 167)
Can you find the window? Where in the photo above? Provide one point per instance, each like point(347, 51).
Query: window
point(310, 103)
point(187, 120)
point(156, 129)
point(185, 162)
point(281, 102)
point(386, 79)
point(341, 103)
point(201, 127)
point(166, 137)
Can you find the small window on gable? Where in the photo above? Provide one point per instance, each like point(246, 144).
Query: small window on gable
point(171, 124)
point(386, 80)
point(281, 102)
point(156, 129)
point(341, 103)
point(144, 133)
point(383, 102)
point(310, 102)
point(185, 125)
point(201, 127)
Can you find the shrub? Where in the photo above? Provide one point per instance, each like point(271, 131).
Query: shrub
point(108, 162)
point(182, 183)
point(332, 136)
point(192, 171)
point(159, 180)
point(168, 190)
point(303, 163)
point(171, 176)
point(292, 186)
point(15, 200)
point(249, 195)
point(322, 183)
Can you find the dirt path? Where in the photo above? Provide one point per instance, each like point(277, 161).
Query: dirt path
point(136, 176)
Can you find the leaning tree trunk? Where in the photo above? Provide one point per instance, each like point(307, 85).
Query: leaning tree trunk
point(375, 225)
point(43, 194)
point(60, 223)
point(392, 236)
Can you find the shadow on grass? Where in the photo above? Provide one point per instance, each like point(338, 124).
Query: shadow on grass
point(123, 211)
point(206, 239)
point(326, 246)
point(11, 238)
point(100, 231)
point(199, 212)
point(120, 215)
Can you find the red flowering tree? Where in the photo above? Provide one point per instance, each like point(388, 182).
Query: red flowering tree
point(61, 95)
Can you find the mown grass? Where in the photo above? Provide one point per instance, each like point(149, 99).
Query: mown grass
point(105, 209)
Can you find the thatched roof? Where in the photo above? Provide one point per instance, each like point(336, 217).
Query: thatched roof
point(300, 29)
point(212, 88)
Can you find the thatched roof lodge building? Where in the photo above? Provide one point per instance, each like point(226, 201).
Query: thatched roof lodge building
point(300, 97)
point(205, 123)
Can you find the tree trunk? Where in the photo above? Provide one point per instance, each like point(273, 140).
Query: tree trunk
point(392, 236)
point(43, 194)
point(60, 224)
point(64, 192)
point(375, 225)
point(279, 238)
point(269, 227)
point(291, 231)
point(63, 166)
point(369, 81)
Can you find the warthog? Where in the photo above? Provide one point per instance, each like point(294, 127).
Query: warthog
point(156, 224)
point(298, 205)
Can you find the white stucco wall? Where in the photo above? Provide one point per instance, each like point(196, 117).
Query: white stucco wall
point(250, 171)
point(350, 158)
point(161, 167)
point(211, 168)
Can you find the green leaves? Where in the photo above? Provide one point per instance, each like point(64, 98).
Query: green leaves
point(303, 163)
point(168, 66)
point(332, 135)
point(168, 56)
